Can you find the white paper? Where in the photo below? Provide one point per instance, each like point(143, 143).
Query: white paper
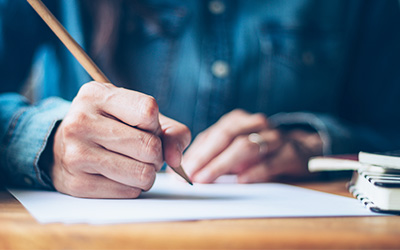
point(172, 200)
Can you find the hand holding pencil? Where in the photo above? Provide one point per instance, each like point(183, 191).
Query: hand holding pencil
point(113, 140)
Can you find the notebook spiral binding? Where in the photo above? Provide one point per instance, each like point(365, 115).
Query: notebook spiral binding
point(363, 199)
point(367, 202)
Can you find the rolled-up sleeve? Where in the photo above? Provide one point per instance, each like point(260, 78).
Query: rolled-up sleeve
point(25, 130)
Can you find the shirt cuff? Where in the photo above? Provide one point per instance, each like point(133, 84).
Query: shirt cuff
point(306, 119)
point(27, 138)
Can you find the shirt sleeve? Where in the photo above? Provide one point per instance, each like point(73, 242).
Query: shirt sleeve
point(339, 136)
point(24, 130)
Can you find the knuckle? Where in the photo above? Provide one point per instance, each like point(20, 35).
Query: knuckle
point(149, 108)
point(153, 147)
point(88, 89)
point(226, 135)
point(147, 176)
point(109, 95)
point(260, 119)
point(96, 94)
point(234, 114)
point(75, 124)
point(238, 112)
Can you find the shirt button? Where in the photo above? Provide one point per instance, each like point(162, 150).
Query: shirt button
point(220, 69)
point(28, 181)
point(216, 7)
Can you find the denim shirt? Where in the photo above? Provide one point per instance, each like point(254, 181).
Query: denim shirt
point(328, 65)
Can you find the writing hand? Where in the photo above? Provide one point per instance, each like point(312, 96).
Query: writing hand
point(109, 144)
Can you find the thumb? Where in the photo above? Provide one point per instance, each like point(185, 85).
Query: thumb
point(176, 137)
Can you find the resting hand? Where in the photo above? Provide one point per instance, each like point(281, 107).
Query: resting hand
point(110, 143)
point(228, 147)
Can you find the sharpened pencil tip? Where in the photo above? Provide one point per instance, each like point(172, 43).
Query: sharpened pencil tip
point(182, 174)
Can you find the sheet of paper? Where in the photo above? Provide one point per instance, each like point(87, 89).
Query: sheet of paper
point(171, 200)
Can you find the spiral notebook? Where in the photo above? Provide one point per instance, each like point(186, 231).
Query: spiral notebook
point(376, 178)
point(379, 191)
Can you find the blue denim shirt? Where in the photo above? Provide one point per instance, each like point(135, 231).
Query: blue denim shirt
point(331, 65)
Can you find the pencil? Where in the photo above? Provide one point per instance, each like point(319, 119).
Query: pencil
point(79, 53)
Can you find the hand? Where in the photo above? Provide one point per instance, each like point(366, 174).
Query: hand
point(225, 148)
point(110, 144)
point(289, 161)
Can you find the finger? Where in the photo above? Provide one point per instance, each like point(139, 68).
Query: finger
point(239, 155)
point(284, 163)
point(271, 139)
point(95, 186)
point(190, 157)
point(227, 128)
point(123, 139)
point(96, 160)
point(176, 137)
point(257, 173)
point(240, 122)
point(218, 137)
point(288, 163)
point(133, 108)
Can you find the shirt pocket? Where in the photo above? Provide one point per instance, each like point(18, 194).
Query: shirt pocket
point(153, 30)
point(156, 19)
point(299, 67)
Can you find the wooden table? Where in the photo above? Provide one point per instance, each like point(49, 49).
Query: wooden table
point(18, 230)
